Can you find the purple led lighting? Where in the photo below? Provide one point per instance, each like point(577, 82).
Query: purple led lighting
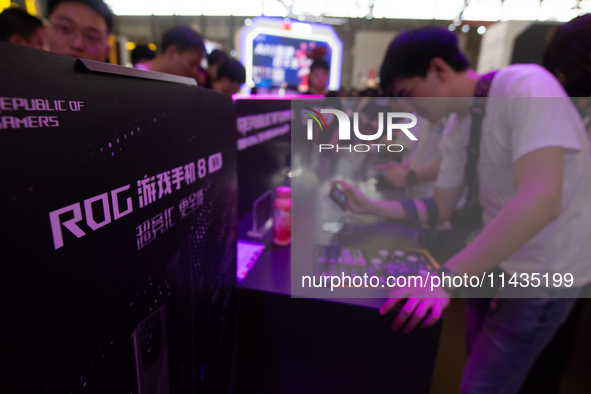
point(240, 96)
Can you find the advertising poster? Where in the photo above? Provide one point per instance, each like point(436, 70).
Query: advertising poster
point(264, 148)
point(278, 60)
point(118, 253)
point(278, 53)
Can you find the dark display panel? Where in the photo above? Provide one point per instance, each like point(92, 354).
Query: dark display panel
point(264, 147)
point(120, 205)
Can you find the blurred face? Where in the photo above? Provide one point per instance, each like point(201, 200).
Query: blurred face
point(36, 40)
point(185, 63)
point(423, 95)
point(318, 78)
point(77, 30)
point(224, 85)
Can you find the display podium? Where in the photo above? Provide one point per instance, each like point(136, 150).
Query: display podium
point(119, 202)
point(264, 147)
point(289, 343)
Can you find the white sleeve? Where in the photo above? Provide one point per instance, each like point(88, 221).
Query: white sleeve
point(453, 151)
point(543, 123)
point(540, 115)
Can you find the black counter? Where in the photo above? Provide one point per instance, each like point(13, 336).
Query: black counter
point(291, 344)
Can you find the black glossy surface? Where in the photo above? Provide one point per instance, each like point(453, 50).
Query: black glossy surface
point(299, 345)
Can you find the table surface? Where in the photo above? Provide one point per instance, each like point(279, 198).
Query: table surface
point(354, 347)
point(279, 269)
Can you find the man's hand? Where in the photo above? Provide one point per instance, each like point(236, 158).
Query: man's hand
point(356, 201)
point(420, 302)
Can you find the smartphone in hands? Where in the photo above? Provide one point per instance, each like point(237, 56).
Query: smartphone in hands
point(338, 197)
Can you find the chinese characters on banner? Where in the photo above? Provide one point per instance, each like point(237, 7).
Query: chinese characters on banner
point(162, 184)
point(148, 230)
point(150, 189)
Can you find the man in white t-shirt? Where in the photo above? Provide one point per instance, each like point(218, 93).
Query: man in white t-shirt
point(534, 174)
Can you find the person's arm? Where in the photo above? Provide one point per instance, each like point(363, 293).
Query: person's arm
point(428, 172)
point(393, 163)
point(446, 200)
point(397, 175)
point(538, 181)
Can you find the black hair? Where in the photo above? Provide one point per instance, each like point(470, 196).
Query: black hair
point(142, 52)
point(319, 63)
point(16, 21)
point(567, 56)
point(233, 70)
point(410, 54)
point(183, 38)
point(97, 6)
point(216, 56)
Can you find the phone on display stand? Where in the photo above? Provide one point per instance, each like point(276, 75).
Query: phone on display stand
point(338, 197)
point(151, 354)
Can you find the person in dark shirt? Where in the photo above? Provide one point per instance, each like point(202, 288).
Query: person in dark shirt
point(318, 78)
point(231, 75)
point(18, 27)
point(568, 56)
point(142, 54)
point(215, 59)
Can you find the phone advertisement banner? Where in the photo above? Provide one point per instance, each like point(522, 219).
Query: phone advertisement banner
point(119, 196)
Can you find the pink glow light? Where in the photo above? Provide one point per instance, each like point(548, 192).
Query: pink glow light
point(277, 96)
